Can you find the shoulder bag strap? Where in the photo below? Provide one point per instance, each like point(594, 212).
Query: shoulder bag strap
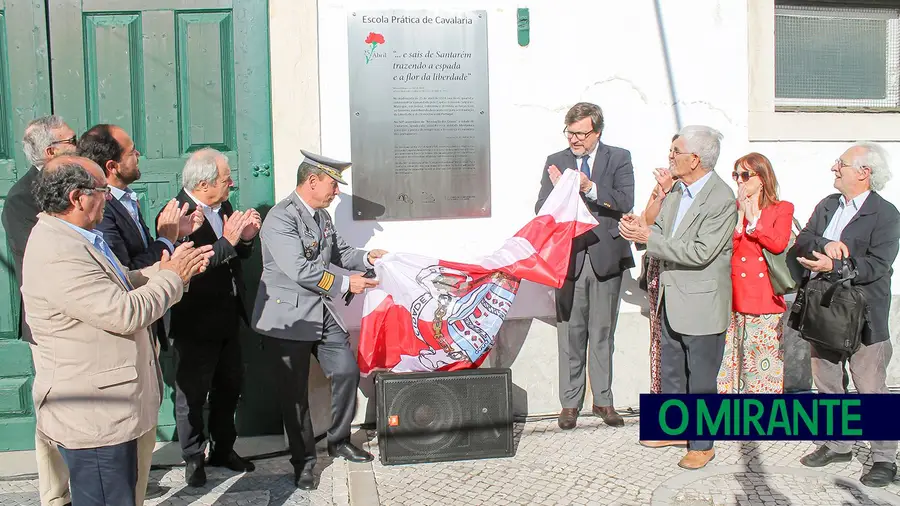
point(849, 273)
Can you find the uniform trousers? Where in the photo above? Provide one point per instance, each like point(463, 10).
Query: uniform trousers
point(290, 364)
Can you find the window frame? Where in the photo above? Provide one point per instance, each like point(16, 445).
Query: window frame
point(891, 70)
point(766, 123)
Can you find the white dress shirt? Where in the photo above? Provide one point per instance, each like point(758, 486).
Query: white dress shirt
point(211, 214)
point(845, 212)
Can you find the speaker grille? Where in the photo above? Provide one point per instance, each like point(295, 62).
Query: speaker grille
point(429, 417)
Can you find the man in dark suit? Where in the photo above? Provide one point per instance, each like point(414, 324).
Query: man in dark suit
point(44, 138)
point(587, 305)
point(124, 231)
point(123, 224)
point(857, 227)
point(205, 323)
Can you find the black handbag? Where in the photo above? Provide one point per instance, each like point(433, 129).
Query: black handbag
point(830, 312)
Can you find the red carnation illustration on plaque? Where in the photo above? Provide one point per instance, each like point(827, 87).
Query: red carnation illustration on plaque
point(373, 39)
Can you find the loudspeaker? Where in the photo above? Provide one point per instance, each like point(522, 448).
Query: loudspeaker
point(441, 416)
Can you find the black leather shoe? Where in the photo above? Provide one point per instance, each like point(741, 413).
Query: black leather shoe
point(824, 456)
point(232, 461)
point(881, 474)
point(306, 480)
point(350, 452)
point(194, 473)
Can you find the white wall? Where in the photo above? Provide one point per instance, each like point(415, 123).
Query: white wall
point(611, 53)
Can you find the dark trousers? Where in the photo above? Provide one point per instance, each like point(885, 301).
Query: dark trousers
point(104, 476)
point(690, 365)
point(290, 364)
point(213, 369)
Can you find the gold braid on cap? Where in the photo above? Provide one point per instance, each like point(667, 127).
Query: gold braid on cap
point(331, 171)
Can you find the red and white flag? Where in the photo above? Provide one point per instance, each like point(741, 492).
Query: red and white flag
point(429, 314)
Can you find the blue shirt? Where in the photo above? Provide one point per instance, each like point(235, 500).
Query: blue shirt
point(129, 200)
point(95, 237)
point(688, 195)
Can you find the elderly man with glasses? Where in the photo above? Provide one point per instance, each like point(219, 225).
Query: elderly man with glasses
point(856, 227)
point(45, 138)
point(692, 239)
point(587, 305)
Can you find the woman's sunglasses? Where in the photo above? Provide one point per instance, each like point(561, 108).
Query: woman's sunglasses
point(743, 176)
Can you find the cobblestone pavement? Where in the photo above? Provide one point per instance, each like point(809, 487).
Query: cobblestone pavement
point(592, 465)
point(596, 464)
point(271, 484)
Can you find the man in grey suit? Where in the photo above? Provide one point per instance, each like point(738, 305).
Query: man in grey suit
point(587, 305)
point(692, 239)
point(295, 310)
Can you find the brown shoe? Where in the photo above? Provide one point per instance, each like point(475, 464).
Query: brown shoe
point(662, 444)
point(695, 459)
point(567, 418)
point(609, 415)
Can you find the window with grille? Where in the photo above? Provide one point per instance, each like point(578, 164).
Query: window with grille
point(837, 57)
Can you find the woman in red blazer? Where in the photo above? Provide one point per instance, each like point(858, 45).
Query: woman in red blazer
point(754, 355)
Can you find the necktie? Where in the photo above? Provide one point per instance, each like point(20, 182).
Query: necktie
point(104, 248)
point(316, 219)
point(132, 206)
point(585, 166)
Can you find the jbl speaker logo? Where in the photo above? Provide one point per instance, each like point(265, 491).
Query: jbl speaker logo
point(393, 421)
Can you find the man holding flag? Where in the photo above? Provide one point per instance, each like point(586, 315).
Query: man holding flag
point(295, 310)
point(587, 304)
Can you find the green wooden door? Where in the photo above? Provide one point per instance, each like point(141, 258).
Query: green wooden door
point(24, 95)
point(178, 75)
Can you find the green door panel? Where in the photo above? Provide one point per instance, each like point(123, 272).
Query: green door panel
point(178, 75)
point(24, 95)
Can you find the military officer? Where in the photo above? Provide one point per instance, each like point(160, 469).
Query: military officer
point(295, 310)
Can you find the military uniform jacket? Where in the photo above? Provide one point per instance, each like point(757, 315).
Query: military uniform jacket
point(297, 283)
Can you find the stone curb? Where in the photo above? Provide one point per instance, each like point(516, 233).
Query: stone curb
point(361, 477)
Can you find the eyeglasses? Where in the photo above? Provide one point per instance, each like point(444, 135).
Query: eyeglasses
point(578, 135)
point(841, 164)
point(743, 176)
point(675, 152)
point(71, 140)
point(99, 189)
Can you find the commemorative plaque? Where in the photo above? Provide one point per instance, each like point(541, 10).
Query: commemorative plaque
point(419, 118)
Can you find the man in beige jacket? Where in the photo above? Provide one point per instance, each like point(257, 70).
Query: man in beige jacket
point(97, 386)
